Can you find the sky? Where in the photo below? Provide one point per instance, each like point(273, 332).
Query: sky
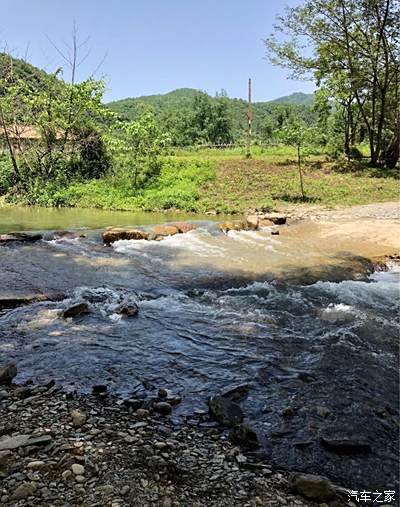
point(143, 47)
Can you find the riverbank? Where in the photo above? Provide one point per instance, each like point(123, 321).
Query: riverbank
point(226, 184)
point(59, 449)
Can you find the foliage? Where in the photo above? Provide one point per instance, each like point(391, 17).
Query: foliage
point(351, 49)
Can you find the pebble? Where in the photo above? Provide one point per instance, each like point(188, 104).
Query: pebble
point(66, 475)
point(80, 478)
point(79, 418)
point(36, 465)
point(78, 469)
point(163, 408)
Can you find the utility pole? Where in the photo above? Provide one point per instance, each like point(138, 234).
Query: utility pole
point(250, 119)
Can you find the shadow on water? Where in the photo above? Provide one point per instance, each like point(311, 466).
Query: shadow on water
point(317, 344)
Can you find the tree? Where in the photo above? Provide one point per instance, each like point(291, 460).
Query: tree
point(352, 48)
point(296, 133)
point(138, 145)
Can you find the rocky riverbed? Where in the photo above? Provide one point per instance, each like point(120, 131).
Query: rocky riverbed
point(65, 449)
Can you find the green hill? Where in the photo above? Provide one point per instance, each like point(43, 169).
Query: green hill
point(267, 115)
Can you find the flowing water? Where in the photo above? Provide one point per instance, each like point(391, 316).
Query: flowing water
point(297, 316)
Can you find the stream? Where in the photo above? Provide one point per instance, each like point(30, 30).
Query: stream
point(296, 317)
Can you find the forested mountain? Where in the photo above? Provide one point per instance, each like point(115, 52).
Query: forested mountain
point(171, 109)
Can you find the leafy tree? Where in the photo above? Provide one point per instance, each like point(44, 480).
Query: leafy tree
point(138, 145)
point(295, 132)
point(352, 48)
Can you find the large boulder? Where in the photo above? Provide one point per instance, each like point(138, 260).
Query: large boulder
point(234, 225)
point(252, 222)
point(7, 373)
point(184, 227)
point(165, 230)
point(313, 487)
point(19, 236)
point(225, 411)
point(113, 234)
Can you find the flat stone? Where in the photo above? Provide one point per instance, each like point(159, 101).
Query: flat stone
point(346, 445)
point(76, 310)
point(10, 443)
point(19, 236)
point(36, 465)
point(314, 487)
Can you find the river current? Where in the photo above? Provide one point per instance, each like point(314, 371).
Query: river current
point(319, 353)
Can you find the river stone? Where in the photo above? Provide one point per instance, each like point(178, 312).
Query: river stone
point(19, 236)
point(7, 373)
point(6, 461)
point(234, 225)
point(165, 230)
point(244, 435)
point(225, 411)
point(162, 407)
point(77, 469)
point(345, 445)
point(10, 443)
point(76, 310)
point(252, 222)
point(113, 234)
point(24, 490)
point(79, 418)
point(314, 487)
point(184, 227)
point(127, 309)
point(276, 218)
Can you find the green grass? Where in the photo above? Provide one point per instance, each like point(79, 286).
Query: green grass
point(224, 181)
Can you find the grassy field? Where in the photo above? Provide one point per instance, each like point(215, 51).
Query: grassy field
point(226, 182)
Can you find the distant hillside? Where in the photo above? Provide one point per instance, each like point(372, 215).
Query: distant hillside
point(300, 98)
point(267, 115)
point(21, 69)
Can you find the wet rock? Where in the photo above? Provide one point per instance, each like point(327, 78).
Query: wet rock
point(287, 412)
point(142, 413)
point(113, 234)
point(184, 227)
point(252, 222)
point(79, 418)
point(162, 407)
point(314, 487)
point(165, 230)
point(7, 373)
point(162, 393)
point(274, 233)
point(225, 411)
point(17, 301)
point(235, 225)
point(127, 309)
point(244, 435)
point(69, 235)
point(345, 445)
point(133, 403)
point(76, 310)
point(19, 236)
point(99, 389)
point(24, 490)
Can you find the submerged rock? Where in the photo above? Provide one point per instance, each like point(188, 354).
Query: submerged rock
point(237, 392)
point(7, 373)
point(225, 411)
point(19, 236)
point(17, 301)
point(162, 407)
point(345, 445)
point(113, 234)
point(314, 487)
point(76, 310)
point(127, 309)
